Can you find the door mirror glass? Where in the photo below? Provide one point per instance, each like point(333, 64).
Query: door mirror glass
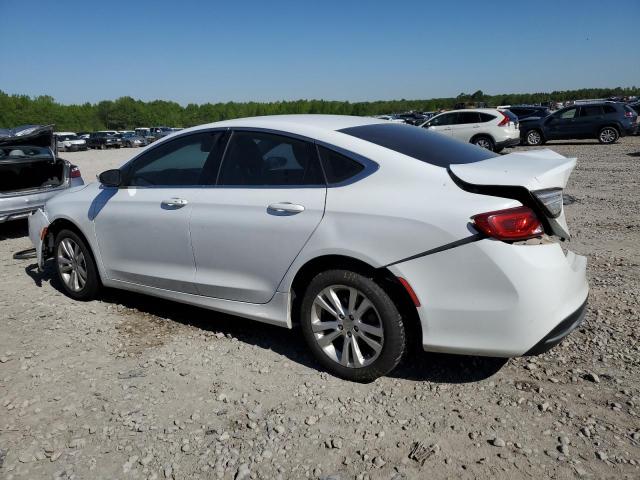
point(110, 178)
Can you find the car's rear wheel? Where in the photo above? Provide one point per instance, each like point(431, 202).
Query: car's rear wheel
point(75, 266)
point(352, 326)
point(608, 135)
point(534, 137)
point(484, 142)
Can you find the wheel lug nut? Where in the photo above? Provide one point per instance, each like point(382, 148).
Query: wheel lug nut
point(341, 316)
point(348, 334)
point(340, 327)
point(355, 329)
point(350, 317)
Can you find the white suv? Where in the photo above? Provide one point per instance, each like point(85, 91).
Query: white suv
point(486, 127)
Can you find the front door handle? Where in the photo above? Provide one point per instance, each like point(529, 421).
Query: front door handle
point(174, 203)
point(285, 208)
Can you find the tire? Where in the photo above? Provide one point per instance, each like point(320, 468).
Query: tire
point(376, 328)
point(72, 257)
point(608, 135)
point(484, 142)
point(498, 149)
point(534, 138)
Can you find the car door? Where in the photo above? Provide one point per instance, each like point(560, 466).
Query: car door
point(442, 123)
point(268, 199)
point(466, 125)
point(143, 227)
point(562, 124)
point(588, 119)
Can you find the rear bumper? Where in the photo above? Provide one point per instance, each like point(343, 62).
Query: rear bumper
point(564, 328)
point(511, 142)
point(495, 299)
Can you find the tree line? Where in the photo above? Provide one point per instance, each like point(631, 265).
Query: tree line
point(127, 113)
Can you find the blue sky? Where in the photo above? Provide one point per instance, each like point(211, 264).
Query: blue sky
point(208, 51)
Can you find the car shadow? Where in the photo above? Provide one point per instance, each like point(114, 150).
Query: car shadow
point(634, 154)
point(418, 366)
point(14, 229)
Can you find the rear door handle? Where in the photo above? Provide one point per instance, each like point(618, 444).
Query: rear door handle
point(174, 203)
point(285, 208)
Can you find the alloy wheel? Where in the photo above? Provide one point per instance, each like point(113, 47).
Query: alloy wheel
point(72, 265)
point(347, 326)
point(484, 143)
point(534, 137)
point(608, 135)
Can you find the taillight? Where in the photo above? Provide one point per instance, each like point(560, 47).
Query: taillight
point(629, 114)
point(75, 172)
point(512, 224)
point(505, 120)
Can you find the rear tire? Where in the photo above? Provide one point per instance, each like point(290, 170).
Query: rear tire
point(484, 142)
point(352, 326)
point(534, 138)
point(75, 266)
point(608, 135)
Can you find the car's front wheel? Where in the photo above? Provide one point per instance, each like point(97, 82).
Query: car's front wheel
point(534, 137)
point(75, 266)
point(352, 326)
point(608, 135)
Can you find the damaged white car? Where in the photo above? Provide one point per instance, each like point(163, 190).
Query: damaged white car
point(30, 170)
point(368, 234)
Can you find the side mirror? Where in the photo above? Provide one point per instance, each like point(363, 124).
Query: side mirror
point(111, 178)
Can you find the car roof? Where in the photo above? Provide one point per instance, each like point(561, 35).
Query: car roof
point(303, 124)
point(482, 110)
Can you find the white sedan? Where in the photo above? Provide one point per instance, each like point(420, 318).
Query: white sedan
point(368, 234)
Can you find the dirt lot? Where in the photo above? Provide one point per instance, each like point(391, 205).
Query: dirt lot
point(134, 387)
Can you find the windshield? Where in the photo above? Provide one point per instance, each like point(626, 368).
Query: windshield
point(419, 143)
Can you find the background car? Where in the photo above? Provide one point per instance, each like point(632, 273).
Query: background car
point(69, 142)
point(103, 140)
point(527, 111)
point(299, 228)
point(486, 127)
point(604, 121)
point(30, 171)
point(130, 139)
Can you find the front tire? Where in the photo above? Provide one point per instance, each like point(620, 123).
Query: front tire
point(352, 326)
point(608, 135)
point(75, 266)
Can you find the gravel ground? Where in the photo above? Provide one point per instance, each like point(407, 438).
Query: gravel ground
point(134, 387)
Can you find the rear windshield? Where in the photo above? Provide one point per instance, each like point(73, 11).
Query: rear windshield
point(420, 143)
point(24, 151)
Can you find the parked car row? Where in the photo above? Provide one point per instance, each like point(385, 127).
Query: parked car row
point(511, 125)
point(103, 139)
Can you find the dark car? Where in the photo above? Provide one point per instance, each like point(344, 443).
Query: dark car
point(527, 111)
point(604, 121)
point(103, 141)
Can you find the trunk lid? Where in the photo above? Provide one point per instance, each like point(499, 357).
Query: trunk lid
point(520, 175)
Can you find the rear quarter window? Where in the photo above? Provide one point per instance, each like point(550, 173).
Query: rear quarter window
point(609, 109)
point(486, 117)
point(419, 143)
point(337, 167)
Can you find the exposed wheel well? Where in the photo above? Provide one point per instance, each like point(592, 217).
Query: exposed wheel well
point(382, 276)
point(58, 225)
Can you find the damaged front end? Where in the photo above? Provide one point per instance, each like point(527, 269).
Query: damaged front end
point(30, 170)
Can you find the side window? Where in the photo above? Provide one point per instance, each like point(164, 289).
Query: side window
point(591, 111)
point(264, 159)
point(486, 117)
point(569, 113)
point(338, 168)
point(178, 162)
point(609, 109)
point(468, 117)
point(444, 119)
